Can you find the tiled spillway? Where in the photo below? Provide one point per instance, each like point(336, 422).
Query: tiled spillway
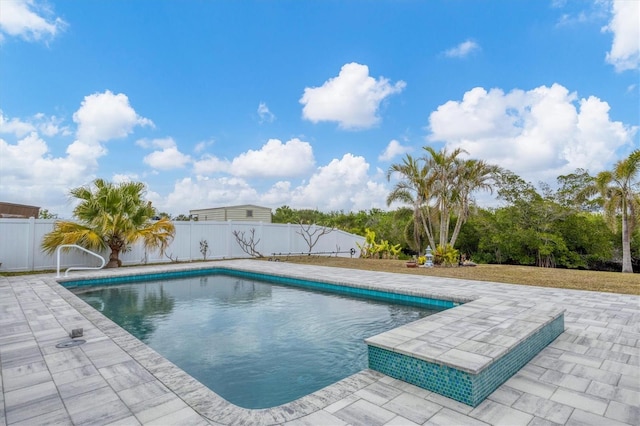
point(466, 352)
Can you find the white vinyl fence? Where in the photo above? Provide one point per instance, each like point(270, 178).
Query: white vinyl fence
point(20, 241)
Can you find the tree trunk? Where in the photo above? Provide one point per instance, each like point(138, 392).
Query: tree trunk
point(626, 244)
point(114, 261)
point(427, 229)
point(456, 230)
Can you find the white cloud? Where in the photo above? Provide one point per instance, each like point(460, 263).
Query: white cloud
point(210, 164)
point(274, 159)
point(105, 116)
point(48, 126)
point(201, 146)
point(341, 185)
point(15, 126)
point(625, 26)
point(156, 143)
point(29, 170)
point(278, 195)
point(538, 134)
point(462, 50)
point(265, 115)
point(125, 177)
point(167, 157)
point(352, 98)
point(51, 126)
point(29, 20)
point(30, 175)
point(393, 150)
point(204, 192)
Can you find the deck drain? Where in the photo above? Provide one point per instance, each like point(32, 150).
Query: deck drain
point(70, 343)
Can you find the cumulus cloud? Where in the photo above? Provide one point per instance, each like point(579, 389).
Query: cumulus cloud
point(352, 98)
point(462, 50)
point(48, 126)
point(31, 172)
point(168, 156)
point(30, 20)
point(625, 49)
point(30, 175)
point(15, 126)
point(105, 116)
point(265, 115)
point(210, 164)
point(203, 192)
point(125, 177)
point(273, 159)
point(538, 134)
point(393, 150)
point(342, 184)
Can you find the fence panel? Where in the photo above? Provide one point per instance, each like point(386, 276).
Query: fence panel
point(20, 241)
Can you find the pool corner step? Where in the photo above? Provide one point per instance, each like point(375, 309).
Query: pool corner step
point(467, 352)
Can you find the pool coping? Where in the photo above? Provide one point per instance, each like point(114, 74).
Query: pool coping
point(599, 350)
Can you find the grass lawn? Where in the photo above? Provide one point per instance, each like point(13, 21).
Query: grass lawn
point(612, 282)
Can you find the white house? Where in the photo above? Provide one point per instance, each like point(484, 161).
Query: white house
point(244, 212)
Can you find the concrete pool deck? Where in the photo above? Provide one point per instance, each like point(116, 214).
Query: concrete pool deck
point(590, 374)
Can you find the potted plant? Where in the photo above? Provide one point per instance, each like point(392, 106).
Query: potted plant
point(412, 263)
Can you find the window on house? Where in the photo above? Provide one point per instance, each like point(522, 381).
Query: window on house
point(249, 213)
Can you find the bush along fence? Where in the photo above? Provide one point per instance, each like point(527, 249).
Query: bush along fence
point(20, 241)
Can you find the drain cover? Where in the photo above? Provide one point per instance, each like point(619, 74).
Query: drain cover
point(70, 343)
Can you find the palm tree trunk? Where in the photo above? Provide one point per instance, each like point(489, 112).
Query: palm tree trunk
point(427, 229)
point(114, 261)
point(456, 230)
point(626, 244)
point(444, 213)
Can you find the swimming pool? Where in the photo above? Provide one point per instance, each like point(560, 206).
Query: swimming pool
point(254, 343)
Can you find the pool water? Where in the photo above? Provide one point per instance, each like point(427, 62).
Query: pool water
point(254, 343)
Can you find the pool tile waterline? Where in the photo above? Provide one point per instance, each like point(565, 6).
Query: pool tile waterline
point(409, 299)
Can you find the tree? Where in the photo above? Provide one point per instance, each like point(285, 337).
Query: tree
point(443, 184)
point(472, 175)
point(411, 190)
point(569, 188)
point(619, 192)
point(439, 187)
point(111, 216)
point(46, 214)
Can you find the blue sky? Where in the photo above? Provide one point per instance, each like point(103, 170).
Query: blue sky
point(306, 103)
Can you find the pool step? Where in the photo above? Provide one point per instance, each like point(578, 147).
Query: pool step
point(466, 352)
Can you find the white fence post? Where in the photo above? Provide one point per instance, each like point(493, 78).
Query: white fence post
point(31, 246)
point(191, 222)
point(228, 234)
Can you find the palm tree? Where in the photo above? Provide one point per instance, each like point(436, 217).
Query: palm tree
point(618, 189)
point(439, 186)
point(472, 175)
point(112, 216)
point(443, 181)
point(410, 189)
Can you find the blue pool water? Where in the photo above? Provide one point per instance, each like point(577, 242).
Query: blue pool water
point(254, 343)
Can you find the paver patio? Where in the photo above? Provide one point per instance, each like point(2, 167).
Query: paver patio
point(590, 374)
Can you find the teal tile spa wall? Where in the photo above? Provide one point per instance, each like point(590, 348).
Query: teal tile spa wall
point(470, 389)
